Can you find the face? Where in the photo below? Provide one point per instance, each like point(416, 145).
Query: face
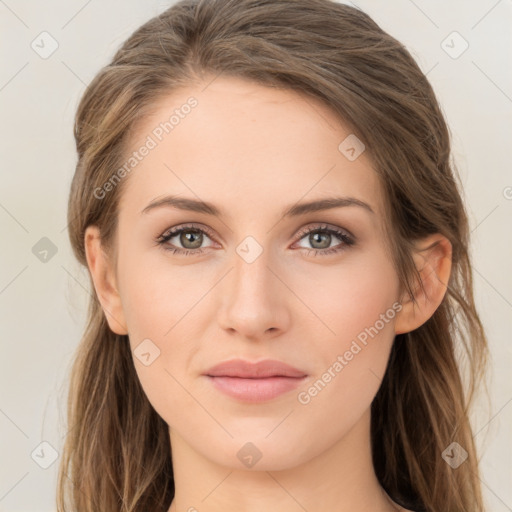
point(314, 289)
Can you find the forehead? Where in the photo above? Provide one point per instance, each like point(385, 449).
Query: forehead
point(238, 143)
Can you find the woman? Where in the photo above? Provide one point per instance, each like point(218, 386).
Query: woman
point(226, 365)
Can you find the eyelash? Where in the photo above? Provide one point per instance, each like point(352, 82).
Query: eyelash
point(347, 240)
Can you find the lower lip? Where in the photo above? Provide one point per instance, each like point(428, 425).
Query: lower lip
point(255, 390)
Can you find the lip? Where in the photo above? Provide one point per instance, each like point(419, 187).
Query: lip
point(254, 382)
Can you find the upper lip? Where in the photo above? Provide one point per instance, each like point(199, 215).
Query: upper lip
point(250, 370)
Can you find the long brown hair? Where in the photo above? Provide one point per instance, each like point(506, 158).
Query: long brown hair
point(117, 453)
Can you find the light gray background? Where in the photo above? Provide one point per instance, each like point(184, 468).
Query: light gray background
point(43, 304)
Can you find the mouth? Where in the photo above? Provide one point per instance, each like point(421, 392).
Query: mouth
point(254, 382)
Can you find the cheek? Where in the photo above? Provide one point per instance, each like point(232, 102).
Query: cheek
point(159, 307)
point(351, 296)
point(359, 307)
point(155, 296)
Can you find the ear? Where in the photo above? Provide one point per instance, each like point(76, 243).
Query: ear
point(103, 276)
point(433, 259)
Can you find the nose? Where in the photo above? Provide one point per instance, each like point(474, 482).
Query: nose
point(255, 301)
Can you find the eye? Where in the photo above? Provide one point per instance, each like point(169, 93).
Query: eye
point(321, 237)
point(191, 238)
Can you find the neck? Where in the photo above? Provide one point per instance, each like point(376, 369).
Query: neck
point(340, 479)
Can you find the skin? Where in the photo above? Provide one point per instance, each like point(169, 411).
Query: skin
point(252, 151)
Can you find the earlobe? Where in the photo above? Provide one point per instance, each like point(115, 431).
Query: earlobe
point(103, 277)
point(433, 259)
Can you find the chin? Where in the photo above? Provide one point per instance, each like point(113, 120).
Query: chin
point(255, 453)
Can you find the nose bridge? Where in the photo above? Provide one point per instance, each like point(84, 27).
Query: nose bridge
point(251, 274)
point(253, 301)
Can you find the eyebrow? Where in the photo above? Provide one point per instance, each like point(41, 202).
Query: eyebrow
point(193, 205)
